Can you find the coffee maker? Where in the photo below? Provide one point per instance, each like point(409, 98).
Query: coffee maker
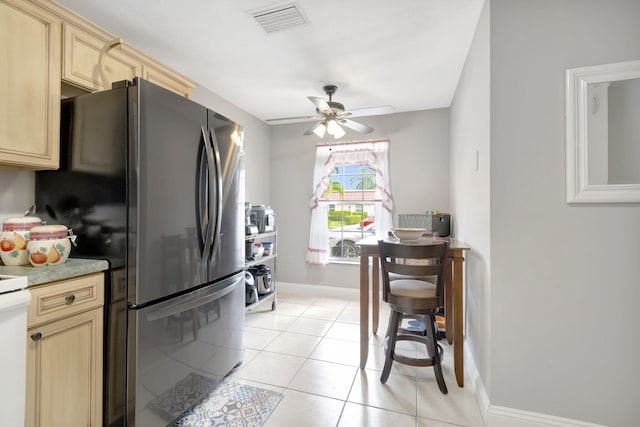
point(250, 229)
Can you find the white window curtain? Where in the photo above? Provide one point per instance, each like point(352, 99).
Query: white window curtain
point(328, 157)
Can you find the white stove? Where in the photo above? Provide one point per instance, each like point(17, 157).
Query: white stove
point(14, 299)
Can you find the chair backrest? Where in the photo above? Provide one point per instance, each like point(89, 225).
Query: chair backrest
point(414, 261)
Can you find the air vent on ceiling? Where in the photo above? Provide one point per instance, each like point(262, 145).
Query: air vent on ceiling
point(284, 16)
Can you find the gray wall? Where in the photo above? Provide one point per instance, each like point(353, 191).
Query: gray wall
point(419, 162)
point(17, 192)
point(564, 279)
point(470, 193)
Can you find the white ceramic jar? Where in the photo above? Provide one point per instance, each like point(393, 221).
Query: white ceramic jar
point(14, 237)
point(48, 245)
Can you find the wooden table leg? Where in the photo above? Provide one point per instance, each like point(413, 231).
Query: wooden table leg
point(364, 309)
point(375, 298)
point(448, 301)
point(458, 337)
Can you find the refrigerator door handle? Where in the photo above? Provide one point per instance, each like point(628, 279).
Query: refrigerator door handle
point(205, 236)
point(197, 299)
point(218, 200)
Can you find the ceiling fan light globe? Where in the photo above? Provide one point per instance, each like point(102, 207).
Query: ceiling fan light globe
point(320, 130)
point(335, 129)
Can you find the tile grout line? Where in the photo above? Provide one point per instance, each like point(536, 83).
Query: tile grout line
point(333, 322)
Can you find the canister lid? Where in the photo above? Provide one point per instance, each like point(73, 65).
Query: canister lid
point(21, 223)
point(48, 232)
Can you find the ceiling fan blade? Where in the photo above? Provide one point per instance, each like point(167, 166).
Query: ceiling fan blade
point(321, 104)
point(358, 127)
point(371, 111)
point(284, 119)
point(311, 130)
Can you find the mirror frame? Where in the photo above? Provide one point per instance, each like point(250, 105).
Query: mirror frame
point(578, 188)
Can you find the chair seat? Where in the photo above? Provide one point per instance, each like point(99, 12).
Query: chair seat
point(396, 276)
point(412, 288)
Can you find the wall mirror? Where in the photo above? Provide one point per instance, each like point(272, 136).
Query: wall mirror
point(603, 133)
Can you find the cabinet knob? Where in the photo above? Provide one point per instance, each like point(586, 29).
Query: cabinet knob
point(70, 298)
point(36, 336)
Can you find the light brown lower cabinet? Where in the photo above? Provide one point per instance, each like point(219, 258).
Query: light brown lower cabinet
point(64, 353)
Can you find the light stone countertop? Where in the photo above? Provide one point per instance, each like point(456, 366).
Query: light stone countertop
point(72, 268)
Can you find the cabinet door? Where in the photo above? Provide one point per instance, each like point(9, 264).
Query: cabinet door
point(64, 372)
point(92, 63)
point(167, 79)
point(30, 45)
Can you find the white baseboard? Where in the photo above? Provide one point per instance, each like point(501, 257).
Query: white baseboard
point(317, 290)
point(472, 377)
point(499, 416)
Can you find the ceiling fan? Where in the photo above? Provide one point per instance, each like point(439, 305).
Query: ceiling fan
point(333, 116)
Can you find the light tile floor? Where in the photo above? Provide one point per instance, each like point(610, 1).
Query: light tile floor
point(308, 348)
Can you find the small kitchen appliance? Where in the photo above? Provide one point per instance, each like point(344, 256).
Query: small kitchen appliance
point(251, 295)
point(262, 277)
point(248, 250)
point(250, 228)
point(263, 217)
point(432, 222)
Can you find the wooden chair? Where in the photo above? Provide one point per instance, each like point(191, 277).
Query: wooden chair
point(413, 286)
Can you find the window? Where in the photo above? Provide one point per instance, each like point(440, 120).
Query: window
point(352, 211)
point(351, 199)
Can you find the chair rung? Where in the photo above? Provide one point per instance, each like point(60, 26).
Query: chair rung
point(422, 339)
point(413, 361)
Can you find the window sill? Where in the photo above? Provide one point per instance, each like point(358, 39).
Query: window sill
point(353, 261)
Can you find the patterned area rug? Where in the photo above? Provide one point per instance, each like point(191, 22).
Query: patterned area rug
point(229, 404)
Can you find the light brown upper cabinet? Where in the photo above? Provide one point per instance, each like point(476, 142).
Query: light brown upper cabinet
point(93, 63)
point(168, 79)
point(30, 46)
point(93, 59)
point(42, 45)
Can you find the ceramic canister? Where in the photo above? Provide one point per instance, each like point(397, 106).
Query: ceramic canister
point(49, 245)
point(14, 237)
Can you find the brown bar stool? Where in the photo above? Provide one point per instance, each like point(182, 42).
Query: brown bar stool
point(413, 285)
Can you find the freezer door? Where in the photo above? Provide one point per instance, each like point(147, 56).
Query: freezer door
point(180, 349)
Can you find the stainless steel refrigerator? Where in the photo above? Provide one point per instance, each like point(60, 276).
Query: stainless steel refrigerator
point(154, 183)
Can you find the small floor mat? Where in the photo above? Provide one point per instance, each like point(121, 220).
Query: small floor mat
point(185, 394)
point(231, 404)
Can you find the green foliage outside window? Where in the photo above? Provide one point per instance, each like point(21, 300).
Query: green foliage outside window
point(337, 218)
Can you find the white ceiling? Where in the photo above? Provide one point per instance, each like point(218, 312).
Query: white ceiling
point(405, 53)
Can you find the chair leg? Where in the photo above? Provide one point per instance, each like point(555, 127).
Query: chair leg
point(433, 352)
point(392, 333)
point(437, 346)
